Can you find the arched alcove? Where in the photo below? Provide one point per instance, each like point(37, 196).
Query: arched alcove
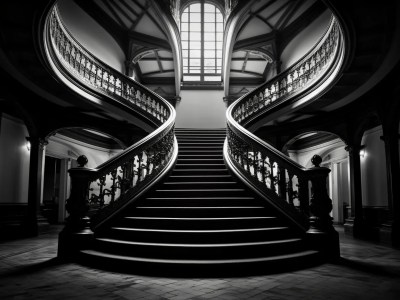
point(331, 148)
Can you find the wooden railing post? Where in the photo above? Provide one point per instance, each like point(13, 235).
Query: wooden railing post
point(321, 234)
point(77, 234)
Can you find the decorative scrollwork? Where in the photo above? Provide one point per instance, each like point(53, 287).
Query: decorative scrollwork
point(90, 71)
point(294, 80)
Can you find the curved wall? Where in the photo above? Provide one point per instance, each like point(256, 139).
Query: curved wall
point(91, 35)
point(305, 40)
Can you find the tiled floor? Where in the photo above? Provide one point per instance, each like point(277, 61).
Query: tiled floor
point(29, 270)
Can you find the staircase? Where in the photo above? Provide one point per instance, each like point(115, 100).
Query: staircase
point(199, 221)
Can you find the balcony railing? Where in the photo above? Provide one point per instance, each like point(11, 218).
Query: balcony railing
point(304, 75)
point(297, 192)
point(97, 194)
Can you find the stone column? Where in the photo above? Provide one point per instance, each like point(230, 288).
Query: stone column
point(35, 184)
point(354, 225)
point(390, 231)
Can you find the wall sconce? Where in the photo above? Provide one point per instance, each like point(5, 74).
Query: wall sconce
point(362, 151)
point(28, 143)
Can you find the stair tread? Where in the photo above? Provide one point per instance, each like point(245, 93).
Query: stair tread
point(199, 198)
point(201, 219)
point(202, 262)
point(199, 207)
point(209, 245)
point(200, 230)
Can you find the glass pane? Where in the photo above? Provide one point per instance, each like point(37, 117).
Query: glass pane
point(185, 53)
point(209, 27)
point(195, 53)
point(209, 71)
point(208, 36)
point(195, 17)
point(220, 37)
point(209, 17)
point(209, 62)
point(219, 54)
point(195, 45)
point(185, 35)
point(185, 27)
point(195, 36)
point(209, 8)
point(219, 62)
point(219, 45)
point(195, 26)
point(209, 45)
point(212, 78)
point(195, 62)
point(220, 27)
point(185, 17)
point(194, 71)
point(185, 62)
point(185, 45)
point(185, 70)
point(219, 18)
point(191, 78)
point(195, 7)
point(209, 53)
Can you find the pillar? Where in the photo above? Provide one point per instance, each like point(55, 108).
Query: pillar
point(37, 151)
point(355, 224)
point(390, 231)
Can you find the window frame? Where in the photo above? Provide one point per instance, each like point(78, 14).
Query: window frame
point(218, 26)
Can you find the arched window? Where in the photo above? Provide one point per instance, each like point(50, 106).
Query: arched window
point(202, 36)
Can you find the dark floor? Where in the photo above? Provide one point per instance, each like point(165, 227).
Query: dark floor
point(29, 270)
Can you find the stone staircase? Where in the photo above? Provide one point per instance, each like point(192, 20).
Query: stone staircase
point(200, 221)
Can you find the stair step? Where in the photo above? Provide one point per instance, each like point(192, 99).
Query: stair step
point(199, 166)
point(199, 223)
point(197, 161)
point(200, 211)
point(198, 172)
point(201, 184)
point(200, 201)
point(206, 192)
point(199, 178)
point(199, 250)
point(203, 236)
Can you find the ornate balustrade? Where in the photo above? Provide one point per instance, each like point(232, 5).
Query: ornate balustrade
point(98, 194)
point(96, 75)
point(303, 75)
point(297, 192)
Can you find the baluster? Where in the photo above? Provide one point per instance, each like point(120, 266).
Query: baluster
point(140, 159)
point(271, 176)
point(290, 189)
point(282, 181)
point(303, 195)
point(137, 98)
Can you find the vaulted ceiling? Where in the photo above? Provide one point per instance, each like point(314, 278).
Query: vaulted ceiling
point(266, 27)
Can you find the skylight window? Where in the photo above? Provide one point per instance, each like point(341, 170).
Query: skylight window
point(202, 35)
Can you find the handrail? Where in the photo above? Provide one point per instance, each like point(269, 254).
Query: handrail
point(276, 177)
point(103, 191)
point(304, 75)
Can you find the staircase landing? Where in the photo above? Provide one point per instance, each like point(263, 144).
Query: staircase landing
point(200, 222)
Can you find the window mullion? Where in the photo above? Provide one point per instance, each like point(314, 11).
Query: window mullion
point(202, 42)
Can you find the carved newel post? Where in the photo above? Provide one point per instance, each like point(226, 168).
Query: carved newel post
point(77, 234)
point(321, 233)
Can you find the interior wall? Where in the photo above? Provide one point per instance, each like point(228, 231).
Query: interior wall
point(373, 169)
point(91, 35)
point(14, 161)
point(201, 109)
point(334, 157)
point(305, 40)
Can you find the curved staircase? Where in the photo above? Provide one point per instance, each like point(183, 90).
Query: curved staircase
point(200, 221)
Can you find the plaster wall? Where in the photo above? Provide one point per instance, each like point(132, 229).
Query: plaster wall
point(201, 109)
